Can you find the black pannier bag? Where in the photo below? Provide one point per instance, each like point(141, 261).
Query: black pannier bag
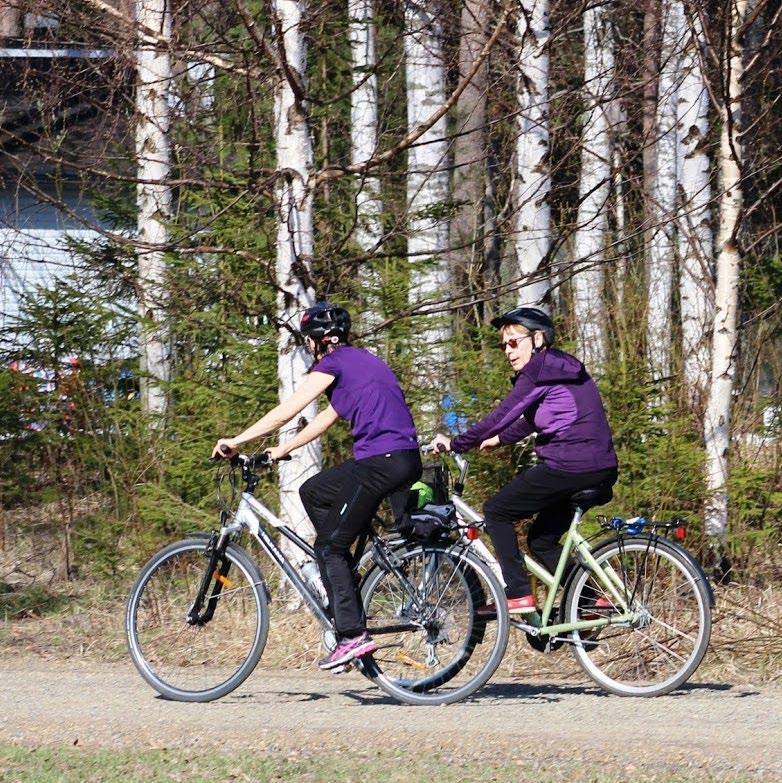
point(430, 523)
point(428, 515)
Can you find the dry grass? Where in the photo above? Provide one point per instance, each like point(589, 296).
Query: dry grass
point(67, 620)
point(746, 643)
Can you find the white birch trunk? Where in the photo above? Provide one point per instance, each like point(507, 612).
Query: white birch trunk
point(724, 338)
point(10, 17)
point(662, 248)
point(363, 145)
point(533, 185)
point(294, 255)
point(619, 125)
point(595, 186)
point(695, 241)
point(427, 176)
point(470, 154)
point(153, 198)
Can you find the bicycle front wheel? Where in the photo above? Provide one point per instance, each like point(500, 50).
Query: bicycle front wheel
point(669, 597)
point(433, 649)
point(205, 660)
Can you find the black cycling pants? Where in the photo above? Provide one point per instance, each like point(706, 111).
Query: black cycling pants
point(341, 502)
point(537, 490)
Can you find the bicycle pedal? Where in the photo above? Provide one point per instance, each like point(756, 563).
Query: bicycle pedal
point(342, 669)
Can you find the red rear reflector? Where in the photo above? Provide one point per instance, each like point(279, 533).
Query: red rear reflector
point(473, 533)
point(680, 533)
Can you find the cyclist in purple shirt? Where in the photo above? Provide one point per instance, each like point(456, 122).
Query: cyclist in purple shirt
point(341, 501)
point(553, 396)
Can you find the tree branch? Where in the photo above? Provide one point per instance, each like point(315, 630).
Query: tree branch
point(334, 172)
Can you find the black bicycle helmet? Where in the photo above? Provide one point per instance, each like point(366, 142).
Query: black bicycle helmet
point(530, 318)
point(324, 320)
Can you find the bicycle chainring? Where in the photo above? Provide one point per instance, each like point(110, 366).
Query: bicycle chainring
point(543, 643)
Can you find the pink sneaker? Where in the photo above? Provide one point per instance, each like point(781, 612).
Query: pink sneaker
point(348, 650)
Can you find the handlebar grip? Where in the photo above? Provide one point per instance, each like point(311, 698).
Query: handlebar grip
point(225, 451)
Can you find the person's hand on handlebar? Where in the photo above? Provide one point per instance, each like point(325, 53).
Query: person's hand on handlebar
point(225, 448)
point(276, 453)
point(490, 443)
point(440, 443)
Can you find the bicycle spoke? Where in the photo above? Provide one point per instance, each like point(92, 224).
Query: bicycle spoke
point(447, 653)
point(666, 639)
point(200, 660)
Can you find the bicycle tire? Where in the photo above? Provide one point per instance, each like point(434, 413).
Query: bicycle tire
point(196, 663)
point(438, 651)
point(671, 595)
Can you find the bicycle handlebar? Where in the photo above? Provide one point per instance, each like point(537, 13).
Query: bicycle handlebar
point(458, 459)
point(260, 460)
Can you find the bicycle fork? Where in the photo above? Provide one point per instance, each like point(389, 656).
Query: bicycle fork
point(216, 547)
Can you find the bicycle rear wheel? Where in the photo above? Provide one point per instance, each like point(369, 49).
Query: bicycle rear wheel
point(432, 647)
point(206, 660)
point(670, 597)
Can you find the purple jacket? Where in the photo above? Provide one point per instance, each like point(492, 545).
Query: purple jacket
point(555, 397)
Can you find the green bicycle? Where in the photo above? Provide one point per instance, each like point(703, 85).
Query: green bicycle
point(635, 609)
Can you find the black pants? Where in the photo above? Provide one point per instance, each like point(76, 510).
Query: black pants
point(341, 502)
point(536, 490)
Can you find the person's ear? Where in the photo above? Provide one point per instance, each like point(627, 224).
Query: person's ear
point(537, 340)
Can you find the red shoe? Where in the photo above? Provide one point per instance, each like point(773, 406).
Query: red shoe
point(597, 609)
point(524, 605)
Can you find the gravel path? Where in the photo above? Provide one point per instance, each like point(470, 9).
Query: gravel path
point(718, 728)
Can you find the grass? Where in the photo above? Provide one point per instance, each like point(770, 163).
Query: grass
point(42, 614)
point(746, 641)
point(399, 765)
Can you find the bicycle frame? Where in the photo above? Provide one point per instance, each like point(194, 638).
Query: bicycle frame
point(248, 516)
point(538, 623)
point(610, 580)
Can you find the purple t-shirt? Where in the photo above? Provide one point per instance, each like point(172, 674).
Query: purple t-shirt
point(366, 393)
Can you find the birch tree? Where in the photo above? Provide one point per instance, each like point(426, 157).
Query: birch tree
point(294, 246)
point(470, 149)
point(9, 20)
point(619, 126)
point(363, 145)
point(533, 185)
point(595, 184)
point(427, 172)
point(724, 337)
point(693, 225)
point(650, 68)
point(153, 196)
point(661, 249)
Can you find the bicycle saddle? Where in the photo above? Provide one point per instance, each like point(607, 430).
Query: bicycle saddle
point(594, 496)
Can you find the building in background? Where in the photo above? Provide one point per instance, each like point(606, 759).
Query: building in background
point(44, 205)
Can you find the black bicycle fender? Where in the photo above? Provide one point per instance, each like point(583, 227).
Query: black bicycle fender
point(685, 554)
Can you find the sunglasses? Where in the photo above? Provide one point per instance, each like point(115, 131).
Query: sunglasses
point(513, 342)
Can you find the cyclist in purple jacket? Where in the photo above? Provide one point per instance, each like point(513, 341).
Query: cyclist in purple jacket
point(341, 501)
point(553, 396)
